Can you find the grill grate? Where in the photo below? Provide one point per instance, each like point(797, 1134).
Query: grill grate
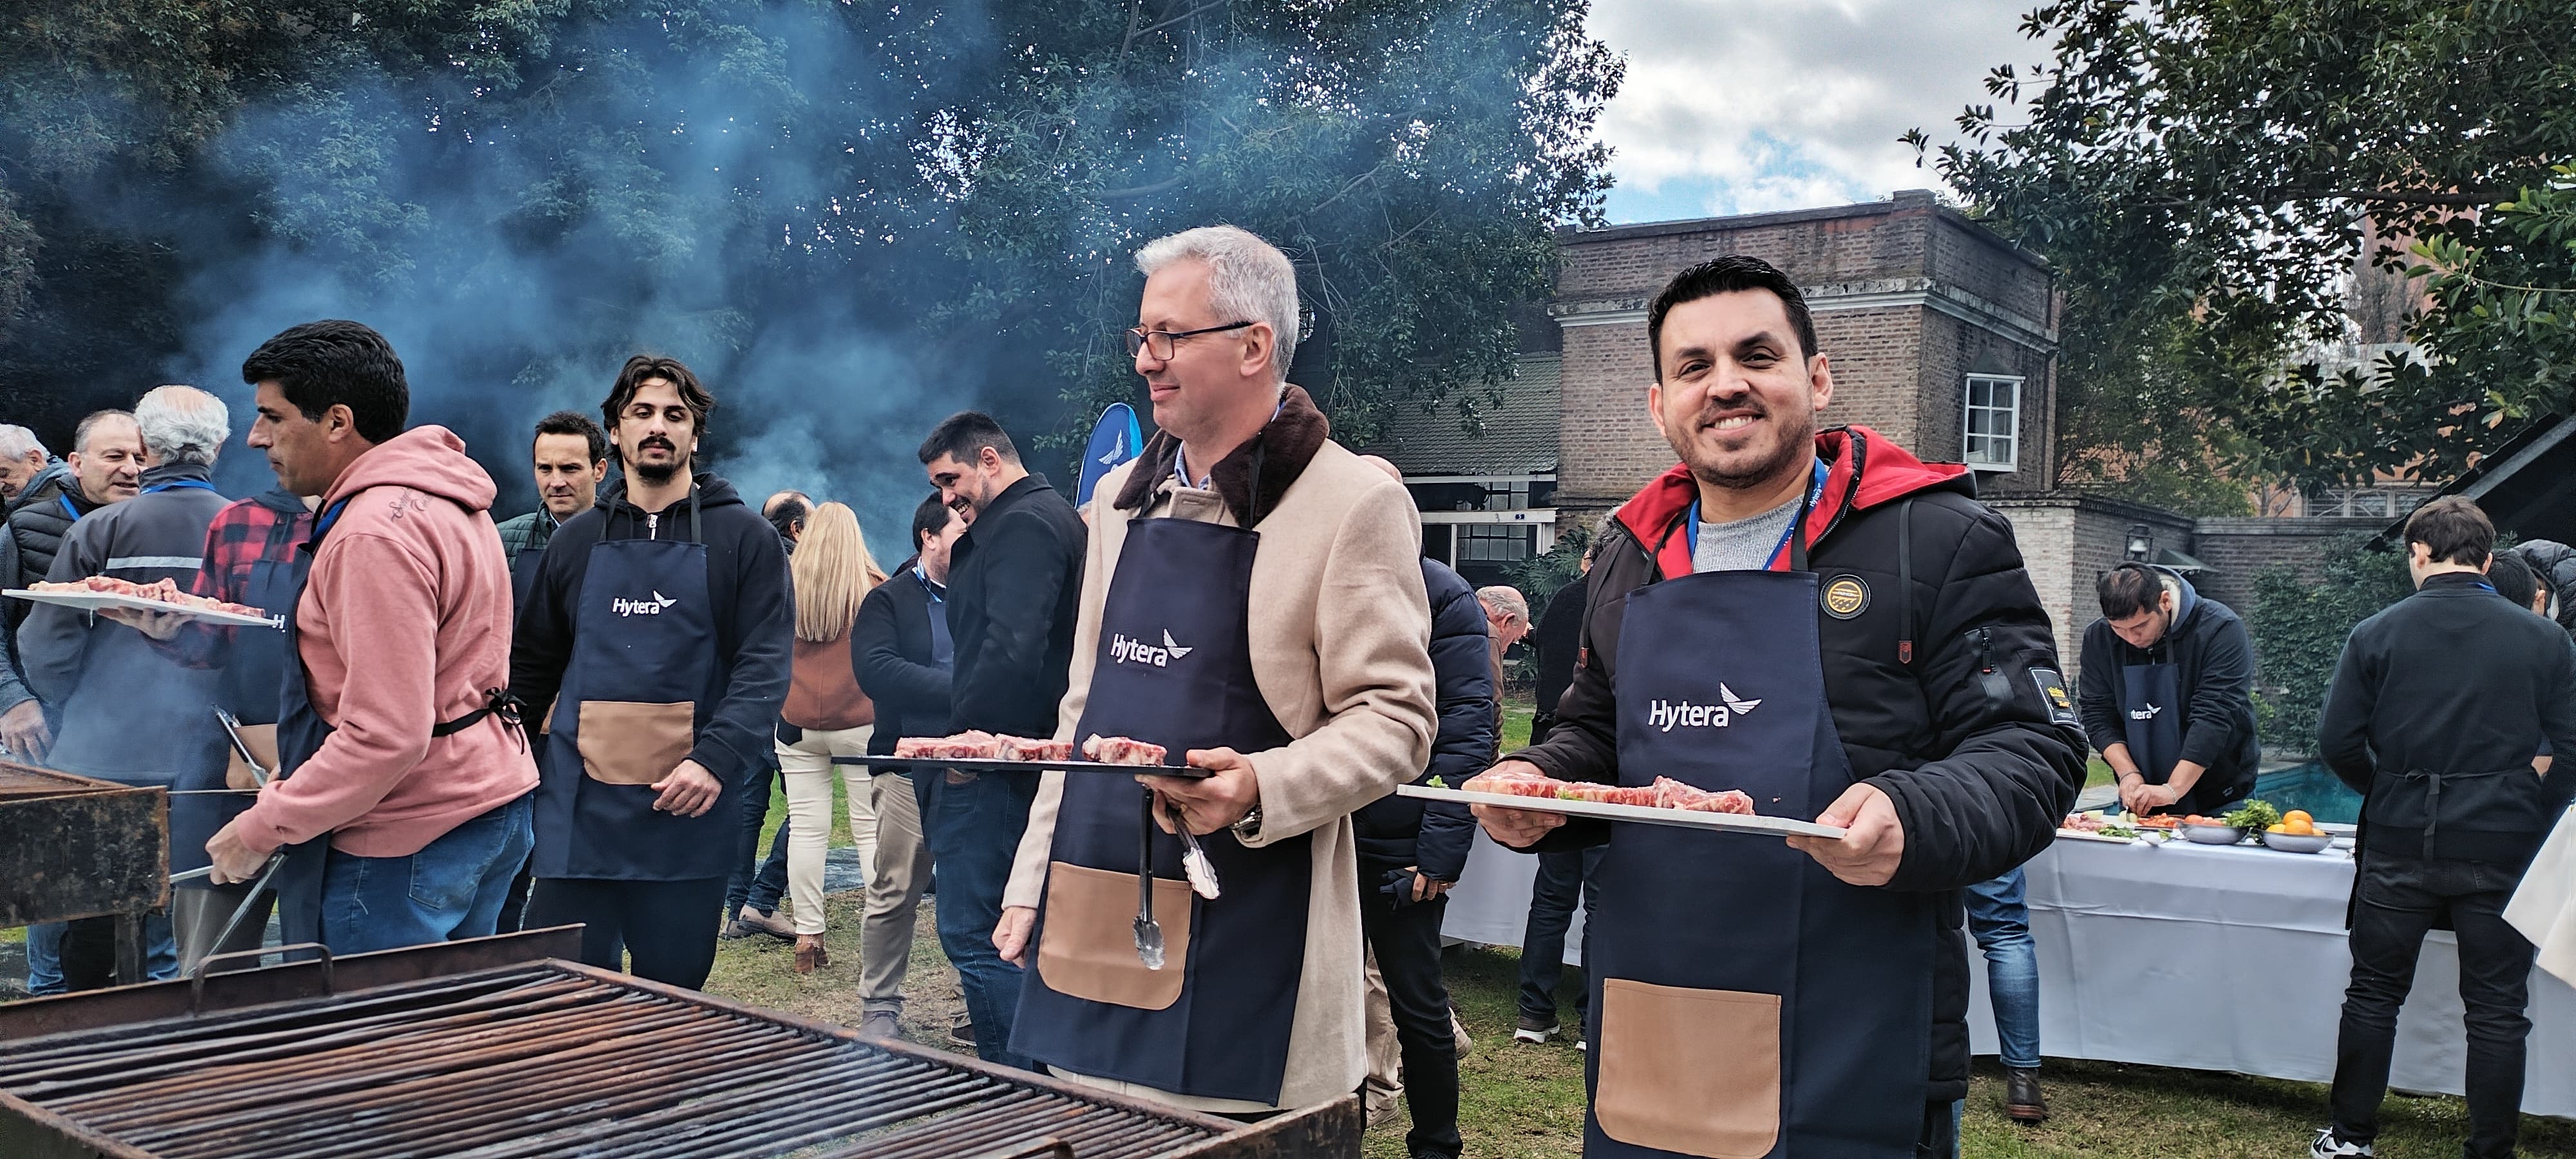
point(549, 1059)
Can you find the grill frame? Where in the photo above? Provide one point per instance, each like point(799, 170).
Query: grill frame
point(973, 1109)
point(74, 847)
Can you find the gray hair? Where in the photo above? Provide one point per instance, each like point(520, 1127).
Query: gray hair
point(182, 424)
point(1507, 600)
point(17, 442)
point(1249, 280)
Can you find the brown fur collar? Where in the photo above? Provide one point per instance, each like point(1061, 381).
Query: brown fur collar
point(1285, 447)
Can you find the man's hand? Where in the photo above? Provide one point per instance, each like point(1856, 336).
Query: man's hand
point(1869, 853)
point(162, 626)
point(2131, 797)
point(234, 860)
point(1424, 888)
point(1515, 828)
point(689, 791)
point(1011, 934)
point(2156, 797)
point(1209, 803)
point(23, 730)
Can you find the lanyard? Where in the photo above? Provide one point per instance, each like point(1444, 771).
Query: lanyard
point(198, 484)
point(322, 526)
point(934, 591)
point(68, 509)
point(1815, 490)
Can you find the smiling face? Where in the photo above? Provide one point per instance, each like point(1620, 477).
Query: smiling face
point(655, 433)
point(1211, 379)
point(109, 466)
point(567, 481)
point(1738, 398)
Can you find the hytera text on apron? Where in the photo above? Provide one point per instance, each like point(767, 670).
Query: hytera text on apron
point(643, 660)
point(1745, 1002)
point(1174, 669)
point(300, 733)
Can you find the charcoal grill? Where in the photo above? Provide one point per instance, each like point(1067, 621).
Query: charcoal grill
point(544, 1058)
point(72, 847)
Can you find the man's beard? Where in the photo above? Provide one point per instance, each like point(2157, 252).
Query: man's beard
point(657, 474)
point(1795, 447)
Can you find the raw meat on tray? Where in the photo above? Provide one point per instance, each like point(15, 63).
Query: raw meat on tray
point(1020, 748)
point(1119, 750)
point(1665, 793)
point(158, 591)
point(971, 745)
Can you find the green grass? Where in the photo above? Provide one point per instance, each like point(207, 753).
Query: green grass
point(2096, 772)
point(1519, 711)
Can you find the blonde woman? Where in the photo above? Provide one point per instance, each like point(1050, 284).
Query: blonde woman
point(826, 715)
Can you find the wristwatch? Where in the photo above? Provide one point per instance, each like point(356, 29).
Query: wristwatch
point(1249, 827)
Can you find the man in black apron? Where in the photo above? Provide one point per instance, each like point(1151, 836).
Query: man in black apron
point(2168, 693)
point(659, 630)
point(1252, 603)
point(1841, 632)
point(400, 806)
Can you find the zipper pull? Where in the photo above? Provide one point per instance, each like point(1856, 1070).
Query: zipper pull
point(1985, 649)
point(652, 525)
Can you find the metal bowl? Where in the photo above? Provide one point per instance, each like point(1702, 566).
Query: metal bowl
point(2213, 834)
point(2298, 843)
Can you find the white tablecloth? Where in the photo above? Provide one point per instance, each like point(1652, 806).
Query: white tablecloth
point(2234, 959)
point(1490, 905)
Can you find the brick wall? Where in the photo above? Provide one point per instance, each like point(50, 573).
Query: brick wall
point(2067, 540)
point(2238, 549)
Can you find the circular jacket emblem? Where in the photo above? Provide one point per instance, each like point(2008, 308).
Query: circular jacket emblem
point(1844, 597)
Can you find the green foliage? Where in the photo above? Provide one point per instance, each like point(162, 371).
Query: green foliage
point(1540, 577)
point(2299, 631)
point(2209, 176)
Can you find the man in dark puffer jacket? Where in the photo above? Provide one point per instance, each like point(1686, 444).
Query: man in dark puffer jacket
point(1940, 678)
point(1412, 851)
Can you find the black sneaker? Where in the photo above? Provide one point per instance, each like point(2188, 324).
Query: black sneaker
point(1534, 1029)
point(2022, 1100)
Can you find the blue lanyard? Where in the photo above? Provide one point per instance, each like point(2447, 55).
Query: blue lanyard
point(322, 526)
point(928, 588)
point(68, 509)
point(198, 484)
point(1815, 491)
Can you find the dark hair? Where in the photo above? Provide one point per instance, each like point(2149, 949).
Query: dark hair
point(2513, 579)
point(2128, 589)
point(963, 437)
point(1728, 275)
point(644, 368)
point(928, 518)
point(329, 363)
point(90, 421)
point(2453, 530)
point(793, 508)
point(573, 422)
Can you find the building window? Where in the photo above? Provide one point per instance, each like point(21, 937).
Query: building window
point(2368, 502)
point(1493, 542)
point(1993, 431)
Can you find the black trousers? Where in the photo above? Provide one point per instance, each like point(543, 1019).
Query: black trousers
point(1562, 877)
point(668, 928)
point(1407, 941)
point(2399, 898)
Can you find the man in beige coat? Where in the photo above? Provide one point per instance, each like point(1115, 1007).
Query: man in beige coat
point(1270, 628)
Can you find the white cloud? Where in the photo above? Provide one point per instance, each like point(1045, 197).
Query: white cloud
point(1739, 106)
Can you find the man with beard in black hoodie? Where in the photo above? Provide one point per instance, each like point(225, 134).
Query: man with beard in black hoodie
point(659, 629)
point(1844, 634)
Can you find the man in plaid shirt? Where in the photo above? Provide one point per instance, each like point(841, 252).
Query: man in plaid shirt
point(250, 558)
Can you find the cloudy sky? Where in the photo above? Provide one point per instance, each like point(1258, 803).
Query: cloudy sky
point(1739, 106)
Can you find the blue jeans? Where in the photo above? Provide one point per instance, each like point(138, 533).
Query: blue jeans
point(761, 888)
point(2000, 921)
point(974, 834)
point(452, 888)
point(45, 954)
point(1562, 877)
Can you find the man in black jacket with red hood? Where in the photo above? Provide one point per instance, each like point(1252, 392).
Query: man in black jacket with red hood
point(1843, 633)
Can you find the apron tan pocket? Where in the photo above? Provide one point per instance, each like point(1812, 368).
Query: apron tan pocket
point(1087, 948)
point(626, 742)
point(261, 739)
point(1693, 1071)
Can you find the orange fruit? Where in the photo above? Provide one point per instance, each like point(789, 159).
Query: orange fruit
point(2297, 817)
point(2279, 829)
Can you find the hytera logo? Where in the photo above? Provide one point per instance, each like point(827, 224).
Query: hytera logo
point(1123, 650)
point(1664, 716)
point(651, 607)
point(2147, 713)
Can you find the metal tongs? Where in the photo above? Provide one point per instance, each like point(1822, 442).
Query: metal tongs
point(1149, 933)
point(259, 773)
point(232, 729)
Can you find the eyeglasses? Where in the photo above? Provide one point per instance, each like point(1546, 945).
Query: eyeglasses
point(1160, 343)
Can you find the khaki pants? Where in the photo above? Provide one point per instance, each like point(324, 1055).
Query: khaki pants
point(894, 893)
point(807, 768)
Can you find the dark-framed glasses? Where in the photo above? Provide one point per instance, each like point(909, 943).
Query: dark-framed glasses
point(1160, 343)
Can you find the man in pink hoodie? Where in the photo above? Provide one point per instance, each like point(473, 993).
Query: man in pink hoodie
point(403, 808)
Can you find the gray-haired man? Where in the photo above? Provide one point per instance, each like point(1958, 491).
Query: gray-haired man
point(125, 711)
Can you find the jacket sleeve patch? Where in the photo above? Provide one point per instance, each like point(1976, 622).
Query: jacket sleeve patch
point(2052, 696)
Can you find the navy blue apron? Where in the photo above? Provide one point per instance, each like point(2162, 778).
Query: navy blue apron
point(300, 733)
point(1174, 669)
point(1744, 1001)
point(254, 671)
point(643, 660)
point(2151, 715)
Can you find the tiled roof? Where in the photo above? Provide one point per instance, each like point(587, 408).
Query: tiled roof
point(1516, 437)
